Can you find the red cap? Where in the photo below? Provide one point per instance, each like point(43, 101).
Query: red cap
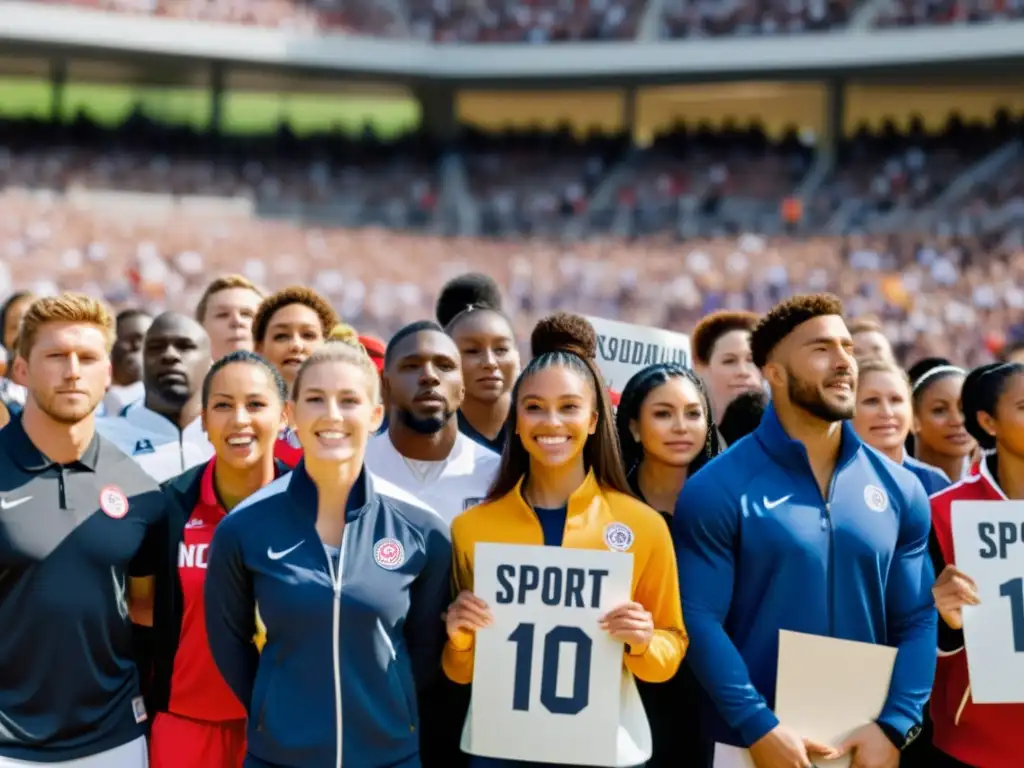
point(375, 349)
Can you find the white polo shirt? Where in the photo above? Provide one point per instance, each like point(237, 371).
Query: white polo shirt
point(449, 487)
point(155, 442)
point(118, 398)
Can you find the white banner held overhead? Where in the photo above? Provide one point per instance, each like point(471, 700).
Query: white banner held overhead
point(988, 542)
point(547, 679)
point(625, 348)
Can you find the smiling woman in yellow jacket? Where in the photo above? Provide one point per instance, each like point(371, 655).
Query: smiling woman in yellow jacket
point(561, 484)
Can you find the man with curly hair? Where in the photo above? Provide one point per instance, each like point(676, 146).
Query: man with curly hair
point(289, 326)
point(805, 528)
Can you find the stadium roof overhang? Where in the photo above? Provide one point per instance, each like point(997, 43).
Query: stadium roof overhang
point(171, 46)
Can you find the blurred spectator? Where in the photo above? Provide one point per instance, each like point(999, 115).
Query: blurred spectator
point(113, 213)
point(911, 13)
point(524, 21)
point(751, 18)
point(553, 21)
point(531, 183)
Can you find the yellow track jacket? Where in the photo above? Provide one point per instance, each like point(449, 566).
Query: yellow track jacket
point(591, 508)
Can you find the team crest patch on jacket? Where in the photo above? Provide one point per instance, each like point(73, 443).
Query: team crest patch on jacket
point(389, 553)
point(618, 536)
point(113, 502)
point(876, 499)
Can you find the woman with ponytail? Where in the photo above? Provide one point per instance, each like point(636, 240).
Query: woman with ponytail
point(939, 437)
point(469, 310)
point(561, 474)
point(667, 433)
point(968, 735)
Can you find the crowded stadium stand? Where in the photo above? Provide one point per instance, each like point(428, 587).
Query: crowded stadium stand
point(552, 21)
point(137, 161)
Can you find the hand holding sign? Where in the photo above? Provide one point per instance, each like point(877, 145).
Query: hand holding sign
point(547, 679)
point(782, 747)
point(630, 624)
point(871, 748)
point(952, 591)
point(467, 614)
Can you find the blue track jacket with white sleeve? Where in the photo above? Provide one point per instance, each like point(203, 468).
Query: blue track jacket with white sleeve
point(760, 551)
point(351, 636)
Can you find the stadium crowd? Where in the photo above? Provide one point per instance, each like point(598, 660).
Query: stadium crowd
point(553, 21)
point(71, 217)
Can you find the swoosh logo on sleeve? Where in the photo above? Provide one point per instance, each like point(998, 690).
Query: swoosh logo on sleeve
point(8, 504)
point(776, 502)
point(283, 553)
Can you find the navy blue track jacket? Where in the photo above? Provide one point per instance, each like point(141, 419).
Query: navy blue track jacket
point(760, 550)
point(350, 638)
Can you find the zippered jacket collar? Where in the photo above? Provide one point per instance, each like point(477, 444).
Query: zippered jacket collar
point(304, 494)
point(579, 501)
point(783, 449)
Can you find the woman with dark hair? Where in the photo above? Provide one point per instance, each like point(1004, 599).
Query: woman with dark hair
point(667, 433)
point(742, 416)
point(968, 735)
point(561, 472)
point(198, 721)
point(11, 312)
point(469, 309)
point(940, 439)
point(12, 394)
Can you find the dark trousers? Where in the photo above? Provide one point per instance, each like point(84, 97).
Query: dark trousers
point(942, 760)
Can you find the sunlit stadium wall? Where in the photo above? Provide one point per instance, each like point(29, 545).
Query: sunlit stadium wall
point(257, 102)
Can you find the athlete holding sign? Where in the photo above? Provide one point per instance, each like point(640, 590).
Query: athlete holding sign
point(968, 734)
point(561, 485)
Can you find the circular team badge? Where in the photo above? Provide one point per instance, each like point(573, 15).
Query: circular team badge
point(618, 536)
point(113, 502)
point(875, 498)
point(389, 554)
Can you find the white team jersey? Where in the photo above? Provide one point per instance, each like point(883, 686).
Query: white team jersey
point(155, 443)
point(449, 487)
point(118, 397)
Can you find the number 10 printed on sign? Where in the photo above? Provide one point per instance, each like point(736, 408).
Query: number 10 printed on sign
point(988, 541)
point(546, 678)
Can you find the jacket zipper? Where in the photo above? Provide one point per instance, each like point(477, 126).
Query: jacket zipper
point(336, 577)
point(826, 525)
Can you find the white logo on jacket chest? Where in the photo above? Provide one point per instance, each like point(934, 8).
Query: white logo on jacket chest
point(876, 499)
point(618, 536)
point(389, 554)
point(773, 503)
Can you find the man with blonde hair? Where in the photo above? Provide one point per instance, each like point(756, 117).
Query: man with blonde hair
point(74, 513)
point(226, 311)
